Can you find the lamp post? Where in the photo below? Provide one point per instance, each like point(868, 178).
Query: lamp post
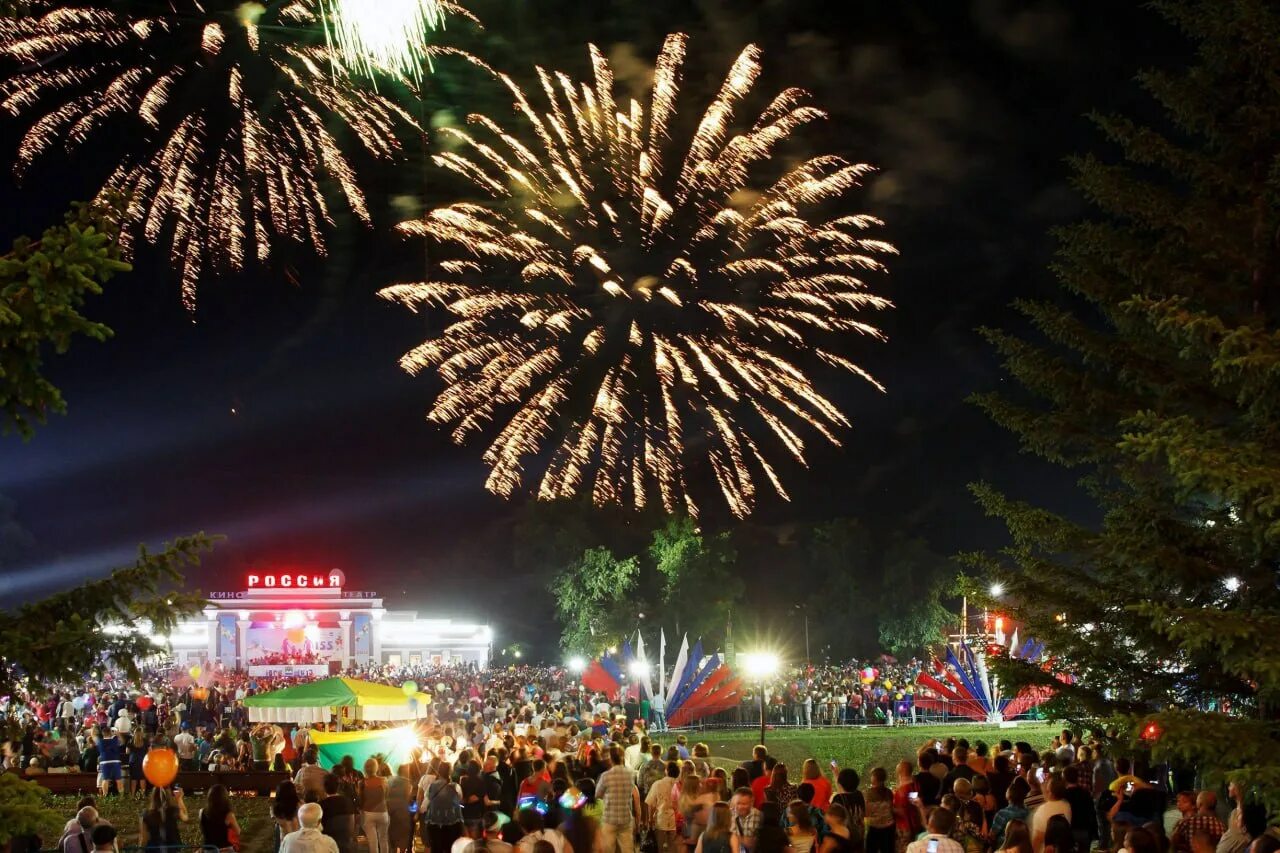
point(760, 666)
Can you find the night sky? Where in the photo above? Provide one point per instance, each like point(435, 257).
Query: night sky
point(280, 418)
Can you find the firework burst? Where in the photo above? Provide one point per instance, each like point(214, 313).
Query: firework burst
point(619, 318)
point(375, 36)
point(229, 113)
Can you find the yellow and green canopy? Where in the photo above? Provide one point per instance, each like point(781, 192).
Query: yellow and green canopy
point(316, 701)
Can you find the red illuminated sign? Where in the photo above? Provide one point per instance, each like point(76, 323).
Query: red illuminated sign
point(332, 579)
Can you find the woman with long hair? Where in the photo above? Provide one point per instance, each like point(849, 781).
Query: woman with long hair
point(137, 752)
point(821, 785)
point(716, 837)
point(372, 792)
point(1017, 837)
point(218, 824)
point(779, 790)
point(800, 832)
point(689, 809)
point(158, 826)
point(285, 809)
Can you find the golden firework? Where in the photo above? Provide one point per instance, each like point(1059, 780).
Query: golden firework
point(620, 318)
point(229, 113)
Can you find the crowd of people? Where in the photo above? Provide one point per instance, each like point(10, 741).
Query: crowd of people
point(525, 756)
point(610, 786)
point(822, 695)
point(292, 658)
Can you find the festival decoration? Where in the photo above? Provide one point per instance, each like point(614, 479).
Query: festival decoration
point(315, 701)
point(229, 115)
point(409, 688)
point(195, 671)
point(619, 299)
point(965, 688)
point(144, 702)
point(160, 766)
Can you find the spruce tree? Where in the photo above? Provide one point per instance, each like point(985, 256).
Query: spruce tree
point(1155, 374)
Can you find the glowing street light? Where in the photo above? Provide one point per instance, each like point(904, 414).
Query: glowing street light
point(577, 665)
point(760, 666)
point(1233, 583)
point(996, 590)
point(639, 669)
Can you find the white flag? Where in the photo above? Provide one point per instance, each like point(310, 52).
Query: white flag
point(662, 662)
point(682, 661)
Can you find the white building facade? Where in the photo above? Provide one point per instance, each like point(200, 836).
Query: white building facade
point(280, 618)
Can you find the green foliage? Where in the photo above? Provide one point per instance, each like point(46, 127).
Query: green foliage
point(596, 599)
point(1158, 377)
point(64, 635)
point(700, 584)
point(21, 807)
point(682, 580)
point(911, 615)
point(43, 284)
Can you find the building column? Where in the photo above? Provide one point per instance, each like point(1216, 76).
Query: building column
point(242, 651)
point(375, 630)
point(211, 636)
point(348, 639)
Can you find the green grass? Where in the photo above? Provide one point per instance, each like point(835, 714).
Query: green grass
point(861, 749)
point(253, 813)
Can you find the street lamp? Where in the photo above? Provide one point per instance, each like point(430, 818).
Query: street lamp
point(759, 666)
point(997, 590)
point(577, 665)
point(639, 669)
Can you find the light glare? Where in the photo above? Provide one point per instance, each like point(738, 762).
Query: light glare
point(382, 35)
point(759, 665)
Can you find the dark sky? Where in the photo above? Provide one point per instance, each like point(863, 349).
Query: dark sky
point(280, 418)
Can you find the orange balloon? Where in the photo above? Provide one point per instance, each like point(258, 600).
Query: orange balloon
point(160, 766)
point(296, 635)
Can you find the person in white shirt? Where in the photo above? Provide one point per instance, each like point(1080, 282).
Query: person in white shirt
point(124, 722)
point(1055, 803)
point(308, 838)
point(184, 744)
point(1067, 752)
point(634, 757)
point(660, 805)
point(938, 839)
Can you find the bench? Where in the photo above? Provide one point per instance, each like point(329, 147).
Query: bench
point(261, 782)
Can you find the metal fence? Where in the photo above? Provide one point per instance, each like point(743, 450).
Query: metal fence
point(795, 716)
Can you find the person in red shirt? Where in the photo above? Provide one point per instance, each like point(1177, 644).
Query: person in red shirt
point(537, 783)
point(759, 783)
point(821, 785)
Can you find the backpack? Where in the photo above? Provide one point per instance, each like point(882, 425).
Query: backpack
point(443, 805)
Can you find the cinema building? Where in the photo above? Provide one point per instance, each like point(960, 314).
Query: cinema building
point(311, 623)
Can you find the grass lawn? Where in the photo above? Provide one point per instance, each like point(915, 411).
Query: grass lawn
point(254, 814)
point(859, 748)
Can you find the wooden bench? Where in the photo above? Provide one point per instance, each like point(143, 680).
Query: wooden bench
point(261, 782)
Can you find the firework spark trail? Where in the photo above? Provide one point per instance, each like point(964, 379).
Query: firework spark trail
point(619, 318)
point(231, 111)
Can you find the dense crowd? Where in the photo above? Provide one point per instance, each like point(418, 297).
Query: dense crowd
point(604, 784)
